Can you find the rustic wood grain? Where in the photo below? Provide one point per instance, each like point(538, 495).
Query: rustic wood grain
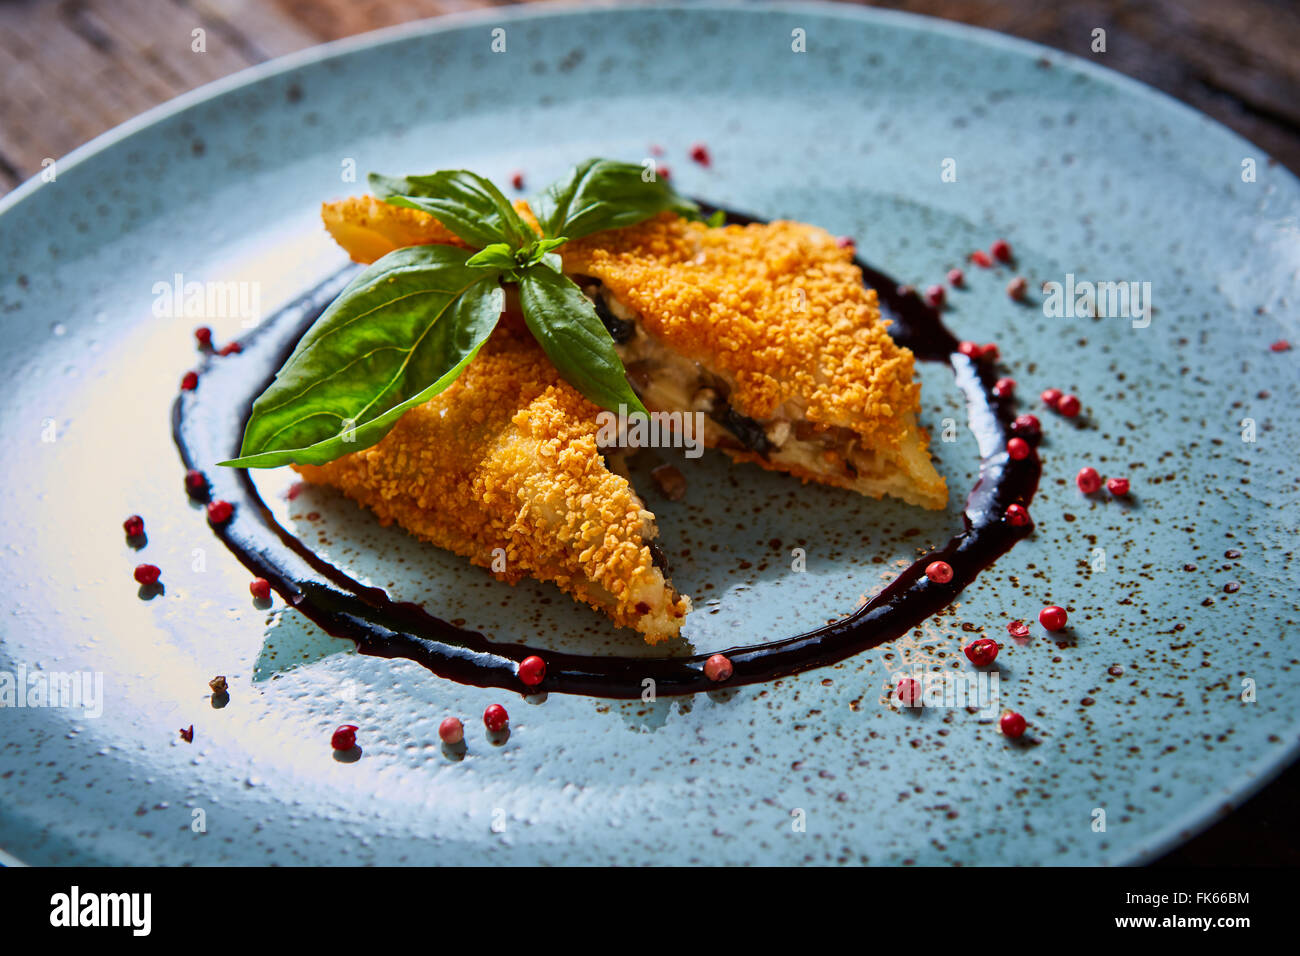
point(69, 70)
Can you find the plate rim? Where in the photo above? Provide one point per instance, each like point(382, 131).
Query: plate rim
point(1195, 817)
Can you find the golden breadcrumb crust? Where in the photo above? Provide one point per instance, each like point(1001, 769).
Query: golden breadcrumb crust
point(778, 309)
point(368, 228)
point(507, 458)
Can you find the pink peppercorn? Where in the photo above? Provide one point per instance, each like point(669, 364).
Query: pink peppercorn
point(1027, 426)
point(1001, 250)
point(934, 296)
point(1068, 405)
point(1050, 397)
point(451, 730)
point(970, 350)
point(956, 278)
point(133, 526)
point(909, 691)
point(990, 352)
point(846, 242)
point(1088, 480)
point(1017, 516)
point(190, 381)
point(532, 670)
point(1004, 387)
point(196, 483)
point(700, 153)
point(1281, 345)
point(219, 511)
point(260, 588)
point(1117, 487)
point(981, 258)
point(1053, 618)
point(981, 652)
point(1017, 449)
point(1018, 628)
point(1012, 725)
point(231, 348)
point(940, 572)
point(495, 718)
point(717, 668)
point(147, 574)
point(203, 335)
point(344, 737)
point(517, 179)
point(1017, 288)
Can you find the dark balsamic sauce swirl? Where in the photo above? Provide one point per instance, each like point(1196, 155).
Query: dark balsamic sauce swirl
point(209, 422)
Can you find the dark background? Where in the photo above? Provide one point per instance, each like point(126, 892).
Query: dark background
point(71, 69)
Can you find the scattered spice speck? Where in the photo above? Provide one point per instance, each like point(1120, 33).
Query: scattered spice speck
point(218, 685)
point(187, 734)
point(700, 153)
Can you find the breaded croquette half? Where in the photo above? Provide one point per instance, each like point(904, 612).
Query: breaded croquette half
point(507, 458)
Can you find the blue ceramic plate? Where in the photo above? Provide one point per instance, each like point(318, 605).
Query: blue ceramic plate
point(1172, 697)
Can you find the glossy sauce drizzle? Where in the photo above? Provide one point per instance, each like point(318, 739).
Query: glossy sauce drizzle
point(208, 424)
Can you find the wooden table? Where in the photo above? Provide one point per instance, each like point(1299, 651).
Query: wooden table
point(72, 69)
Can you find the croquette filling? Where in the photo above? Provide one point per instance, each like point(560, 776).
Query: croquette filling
point(670, 382)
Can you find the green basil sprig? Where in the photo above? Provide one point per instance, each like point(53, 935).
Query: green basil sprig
point(407, 326)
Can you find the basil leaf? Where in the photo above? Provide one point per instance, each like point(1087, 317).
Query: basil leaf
point(604, 194)
point(542, 247)
point(499, 255)
point(466, 203)
point(565, 322)
point(399, 334)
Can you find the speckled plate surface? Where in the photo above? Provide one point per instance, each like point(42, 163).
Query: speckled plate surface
point(1143, 721)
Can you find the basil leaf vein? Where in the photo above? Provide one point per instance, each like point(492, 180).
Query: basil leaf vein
point(603, 194)
point(466, 203)
point(565, 322)
point(399, 334)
